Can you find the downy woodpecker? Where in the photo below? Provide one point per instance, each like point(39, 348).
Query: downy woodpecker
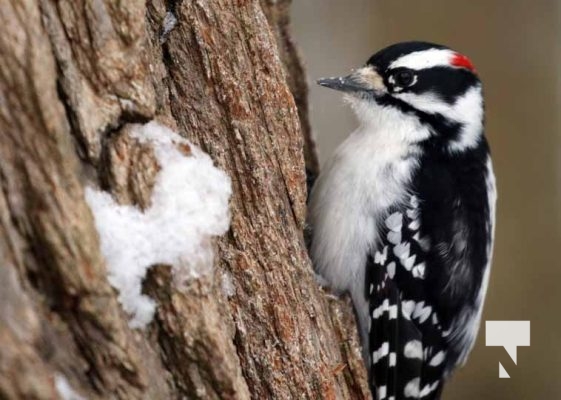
point(402, 215)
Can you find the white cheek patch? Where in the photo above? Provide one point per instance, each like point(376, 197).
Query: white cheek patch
point(428, 102)
point(424, 59)
point(467, 110)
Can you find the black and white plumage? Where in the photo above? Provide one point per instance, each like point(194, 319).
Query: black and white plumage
point(402, 215)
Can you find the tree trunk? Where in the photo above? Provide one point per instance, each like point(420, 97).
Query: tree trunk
point(75, 78)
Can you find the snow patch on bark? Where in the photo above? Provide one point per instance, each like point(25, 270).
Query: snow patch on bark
point(64, 389)
point(189, 206)
point(228, 288)
point(170, 21)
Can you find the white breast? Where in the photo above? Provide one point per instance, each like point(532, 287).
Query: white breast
point(368, 173)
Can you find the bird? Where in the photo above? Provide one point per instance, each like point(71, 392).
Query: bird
point(402, 216)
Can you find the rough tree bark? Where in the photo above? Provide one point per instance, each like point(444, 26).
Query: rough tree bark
point(74, 78)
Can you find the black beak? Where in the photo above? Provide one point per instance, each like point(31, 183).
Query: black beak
point(348, 84)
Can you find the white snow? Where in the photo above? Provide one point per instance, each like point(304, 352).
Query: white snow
point(170, 21)
point(228, 288)
point(189, 206)
point(64, 389)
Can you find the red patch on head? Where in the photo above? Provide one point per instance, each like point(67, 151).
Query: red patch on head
point(461, 61)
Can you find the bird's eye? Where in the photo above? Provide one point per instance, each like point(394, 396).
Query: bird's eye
point(404, 78)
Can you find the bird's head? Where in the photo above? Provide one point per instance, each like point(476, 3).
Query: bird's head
point(431, 84)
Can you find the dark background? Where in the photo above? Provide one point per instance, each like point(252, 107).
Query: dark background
point(516, 48)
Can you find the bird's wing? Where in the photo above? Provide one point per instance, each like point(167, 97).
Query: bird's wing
point(427, 279)
point(406, 337)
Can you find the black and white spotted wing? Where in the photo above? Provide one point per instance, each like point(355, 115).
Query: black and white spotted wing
point(406, 338)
